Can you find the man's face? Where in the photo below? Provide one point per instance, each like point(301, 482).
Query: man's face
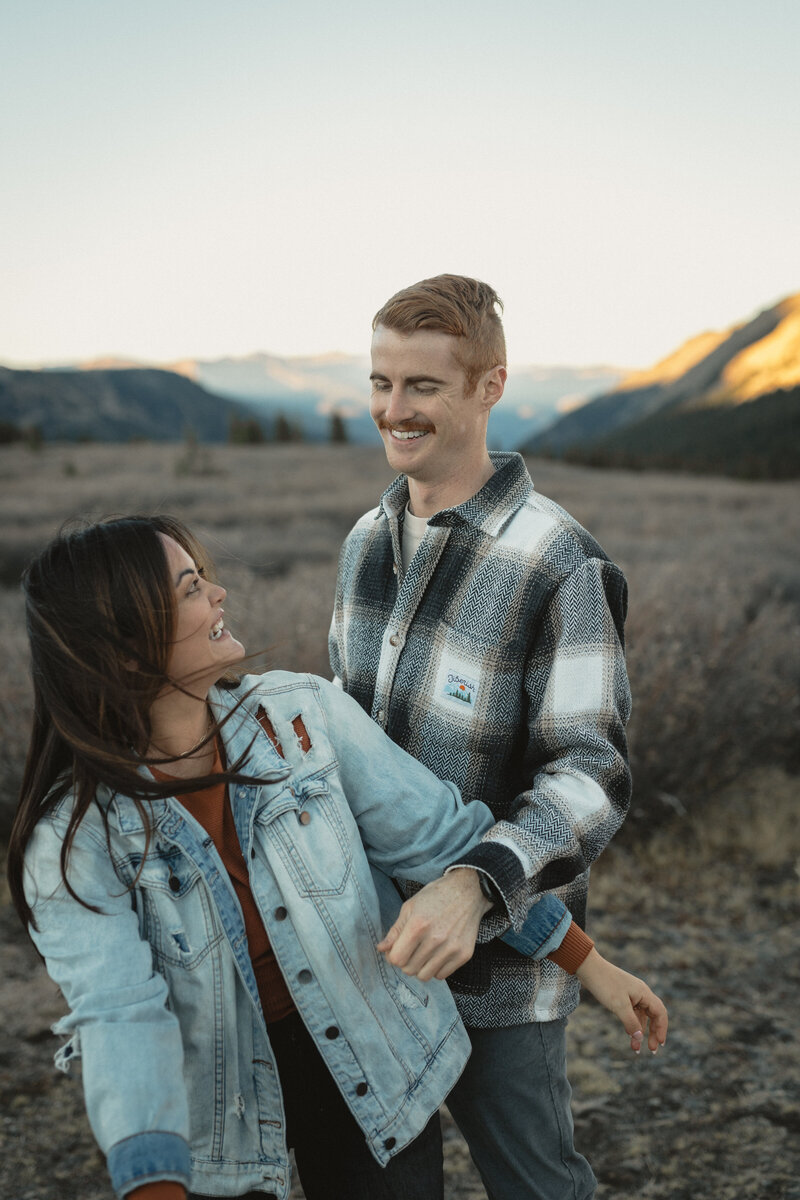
point(429, 425)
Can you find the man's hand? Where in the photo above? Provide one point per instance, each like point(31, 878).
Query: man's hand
point(628, 998)
point(435, 930)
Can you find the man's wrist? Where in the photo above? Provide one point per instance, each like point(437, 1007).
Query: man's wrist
point(490, 890)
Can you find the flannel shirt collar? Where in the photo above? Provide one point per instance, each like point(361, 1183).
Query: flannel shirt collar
point(488, 510)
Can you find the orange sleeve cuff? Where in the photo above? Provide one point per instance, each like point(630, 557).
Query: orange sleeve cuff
point(161, 1190)
point(572, 951)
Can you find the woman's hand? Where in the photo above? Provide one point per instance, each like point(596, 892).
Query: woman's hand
point(628, 998)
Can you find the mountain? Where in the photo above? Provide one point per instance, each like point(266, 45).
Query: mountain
point(112, 405)
point(311, 388)
point(724, 401)
point(115, 399)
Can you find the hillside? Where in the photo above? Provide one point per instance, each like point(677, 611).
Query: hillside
point(725, 401)
point(112, 405)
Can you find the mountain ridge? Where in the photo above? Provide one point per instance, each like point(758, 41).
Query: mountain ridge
point(646, 420)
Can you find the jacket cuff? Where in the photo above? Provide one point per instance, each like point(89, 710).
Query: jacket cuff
point(148, 1157)
point(501, 865)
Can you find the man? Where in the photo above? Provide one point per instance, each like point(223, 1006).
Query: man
point(482, 628)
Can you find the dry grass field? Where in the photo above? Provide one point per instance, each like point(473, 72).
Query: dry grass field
point(701, 892)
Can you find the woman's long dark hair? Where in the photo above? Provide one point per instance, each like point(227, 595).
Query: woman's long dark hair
point(100, 613)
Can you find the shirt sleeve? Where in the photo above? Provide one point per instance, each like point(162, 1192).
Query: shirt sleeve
point(573, 950)
point(575, 758)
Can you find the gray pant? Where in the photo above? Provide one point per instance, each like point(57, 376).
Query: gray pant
point(512, 1106)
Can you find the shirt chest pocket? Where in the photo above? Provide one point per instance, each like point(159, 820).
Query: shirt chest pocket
point(175, 910)
point(306, 830)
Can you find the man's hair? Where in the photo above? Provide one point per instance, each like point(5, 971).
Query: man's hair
point(455, 304)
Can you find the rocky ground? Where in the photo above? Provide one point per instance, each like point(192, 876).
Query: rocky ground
point(709, 913)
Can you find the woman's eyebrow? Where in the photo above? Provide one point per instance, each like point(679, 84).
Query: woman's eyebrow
point(186, 571)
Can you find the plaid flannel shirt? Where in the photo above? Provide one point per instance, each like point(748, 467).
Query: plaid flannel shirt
point(497, 660)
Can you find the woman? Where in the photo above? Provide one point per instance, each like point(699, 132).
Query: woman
point(188, 857)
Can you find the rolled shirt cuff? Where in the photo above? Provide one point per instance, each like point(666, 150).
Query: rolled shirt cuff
point(573, 949)
point(161, 1190)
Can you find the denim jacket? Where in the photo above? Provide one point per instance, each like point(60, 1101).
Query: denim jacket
point(179, 1079)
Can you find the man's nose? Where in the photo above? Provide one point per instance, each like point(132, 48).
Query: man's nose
point(397, 407)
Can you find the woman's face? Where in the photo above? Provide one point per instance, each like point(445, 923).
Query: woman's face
point(203, 648)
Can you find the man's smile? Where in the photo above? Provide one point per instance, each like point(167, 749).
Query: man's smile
point(405, 433)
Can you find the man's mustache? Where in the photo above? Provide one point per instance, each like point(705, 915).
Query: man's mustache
point(406, 426)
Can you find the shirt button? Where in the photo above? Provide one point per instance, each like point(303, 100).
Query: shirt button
point(395, 639)
point(331, 1033)
point(305, 976)
point(380, 714)
point(281, 914)
point(390, 1143)
point(394, 568)
point(304, 818)
point(362, 1089)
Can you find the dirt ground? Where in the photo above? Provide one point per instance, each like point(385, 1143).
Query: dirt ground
point(715, 1115)
point(705, 906)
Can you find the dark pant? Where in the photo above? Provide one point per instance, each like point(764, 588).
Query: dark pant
point(332, 1156)
point(512, 1105)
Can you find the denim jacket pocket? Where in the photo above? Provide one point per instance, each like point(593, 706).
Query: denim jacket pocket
point(175, 910)
point(307, 831)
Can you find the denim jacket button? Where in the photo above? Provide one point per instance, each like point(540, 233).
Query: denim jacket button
point(304, 818)
point(174, 883)
point(362, 1089)
point(281, 913)
point(331, 1032)
point(305, 976)
point(390, 1143)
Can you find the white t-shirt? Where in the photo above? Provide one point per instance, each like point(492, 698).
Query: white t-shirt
point(413, 533)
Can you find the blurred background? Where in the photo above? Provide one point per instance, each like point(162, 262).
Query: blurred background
point(202, 207)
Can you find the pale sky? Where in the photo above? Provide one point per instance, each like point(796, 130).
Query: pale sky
point(188, 178)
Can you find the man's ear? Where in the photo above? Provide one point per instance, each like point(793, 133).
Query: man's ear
point(493, 384)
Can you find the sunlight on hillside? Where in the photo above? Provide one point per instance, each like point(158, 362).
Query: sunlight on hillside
point(674, 365)
point(767, 365)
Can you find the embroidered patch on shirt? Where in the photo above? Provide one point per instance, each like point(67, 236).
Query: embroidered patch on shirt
point(460, 688)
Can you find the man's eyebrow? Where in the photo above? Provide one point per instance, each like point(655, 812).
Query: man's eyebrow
point(411, 378)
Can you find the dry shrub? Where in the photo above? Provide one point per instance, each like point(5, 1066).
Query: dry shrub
point(714, 671)
point(713, 631)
